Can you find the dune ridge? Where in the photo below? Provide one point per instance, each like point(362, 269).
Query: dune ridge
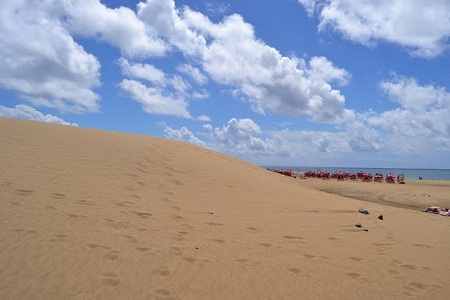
point(95, 214)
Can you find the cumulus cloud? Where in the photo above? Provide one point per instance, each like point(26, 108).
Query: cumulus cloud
point(165, 19)
point(164, 94)
point(422, 26)
point(193, 72)
point(415, 97)
point(147, 72)
point(231, 55)
point(119, 27)
point(154, 101)
point(41, 61)
point(241, 136)
point(203, 118)
point(423, 111)
point(183, 135)
point(27, 112)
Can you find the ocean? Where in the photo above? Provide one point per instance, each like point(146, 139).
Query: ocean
point(428, 174)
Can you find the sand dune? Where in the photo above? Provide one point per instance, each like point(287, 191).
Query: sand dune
point(89, 214)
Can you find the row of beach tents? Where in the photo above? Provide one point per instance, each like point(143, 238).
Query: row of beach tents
point(363, 176)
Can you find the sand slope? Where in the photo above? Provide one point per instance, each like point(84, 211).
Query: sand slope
point(92, 214)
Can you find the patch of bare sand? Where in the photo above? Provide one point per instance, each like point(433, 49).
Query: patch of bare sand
point(100, 215)
point(414, 194)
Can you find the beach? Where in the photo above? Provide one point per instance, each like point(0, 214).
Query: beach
point(414, 194)
point(91, 214)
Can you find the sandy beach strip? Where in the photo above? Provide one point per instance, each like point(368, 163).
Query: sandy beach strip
point(414, 194)
point(90, 214)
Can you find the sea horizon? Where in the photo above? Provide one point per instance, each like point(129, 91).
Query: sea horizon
point(410, 173)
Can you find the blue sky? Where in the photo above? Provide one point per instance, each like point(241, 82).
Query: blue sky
point(275, 82)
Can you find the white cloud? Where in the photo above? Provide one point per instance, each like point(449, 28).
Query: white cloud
point(200, 94)
point(321, 69)
point(142, 71)
point(180, 85)
point(155, 76)
point(203, 118)
point(41, 61)
point(415, 97)
point(193, 72)
point(240, 136)
point(164, 18)
point(217, 8)
point(119, 27)
point(27, 112)
point(231, 55)
point(421, 124)
point(422, 26)
point(153, 99)
point(183, 135)
point(165, 90)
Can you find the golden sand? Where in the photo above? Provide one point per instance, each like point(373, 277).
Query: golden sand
point(414, 194)
point(89, 214)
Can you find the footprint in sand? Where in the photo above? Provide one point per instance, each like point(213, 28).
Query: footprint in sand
point(161, 271)
point(59, 238)
point(141, 214)
point(129, 238)
point(218, 241)
point(118, 224)
point(85, 202)
point(189, 259)
point(23, 192)
point(178, 182)
point(75, 216)
point(58, 196)
point(356, 258)
point(112, 255)
point(294, 270)
point(409, 267)
point(293, 238)
point(143, 249)
point(94, 246)
point(192, 260)
point(7, 184)
point(125, 204)
point(252, 228)
point(214, 224)
point(422, 246)
point(176, 251)
point(163, 292)
point(141, 170)
point(352, 274)
point(110, 279)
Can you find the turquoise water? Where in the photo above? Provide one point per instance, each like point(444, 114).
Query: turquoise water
point(428, 174)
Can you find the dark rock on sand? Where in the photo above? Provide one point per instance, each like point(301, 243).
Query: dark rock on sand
point(363, 211)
